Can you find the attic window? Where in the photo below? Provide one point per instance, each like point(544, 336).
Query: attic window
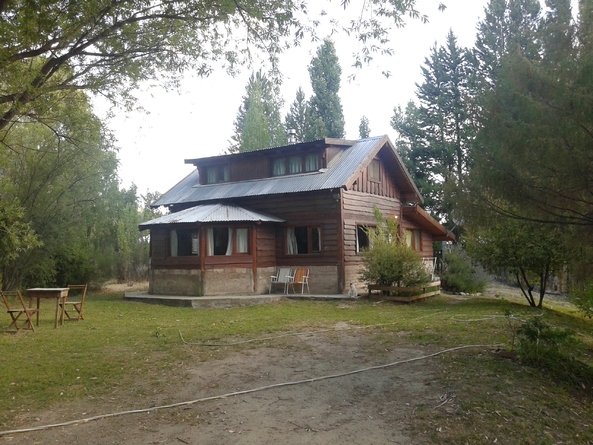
point(220, 173)
point(374, 170)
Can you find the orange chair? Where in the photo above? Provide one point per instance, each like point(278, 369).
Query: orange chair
point(78, 290)
point(301, 276)
point(17, 310)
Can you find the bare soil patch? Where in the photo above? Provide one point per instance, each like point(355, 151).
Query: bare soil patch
point(372, 407)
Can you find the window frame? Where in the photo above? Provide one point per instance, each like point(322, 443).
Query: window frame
point(234, 241)
point(310, 240)
point(363, 228)
point(374, 170)
point(191, 235)
point(218, 173)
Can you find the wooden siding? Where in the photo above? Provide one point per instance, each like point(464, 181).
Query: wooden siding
point(313, 209)
point(385, 187)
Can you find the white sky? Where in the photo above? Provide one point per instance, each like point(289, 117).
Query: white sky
point(198, 122)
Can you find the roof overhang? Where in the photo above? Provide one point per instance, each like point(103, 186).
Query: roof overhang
point(211, 213)
point(426, 222)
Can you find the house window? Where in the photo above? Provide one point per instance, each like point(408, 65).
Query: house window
point(413, 239)
point(279, 167)
point(311, 163)
point(184, 242)
point(218, 174)
point(303, 240)
point(363, 241)
point(295, 164)
point(227, 241)
point(374, 170)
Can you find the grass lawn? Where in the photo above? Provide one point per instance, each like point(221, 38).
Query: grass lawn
point(488, 396)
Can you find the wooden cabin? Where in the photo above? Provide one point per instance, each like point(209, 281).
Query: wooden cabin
point(237, 218)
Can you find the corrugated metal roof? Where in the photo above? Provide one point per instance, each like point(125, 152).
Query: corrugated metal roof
point(337, 174)
point(211, 213)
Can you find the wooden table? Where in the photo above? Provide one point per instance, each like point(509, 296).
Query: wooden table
point(59, 293)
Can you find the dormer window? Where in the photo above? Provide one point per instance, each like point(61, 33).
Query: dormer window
point(220, 173)
point(295, 164)
point(311, 163)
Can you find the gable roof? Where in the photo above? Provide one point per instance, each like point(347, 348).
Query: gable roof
point(341, 172)
point(211, 213)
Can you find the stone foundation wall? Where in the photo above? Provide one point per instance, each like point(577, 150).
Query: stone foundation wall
point(234, 281)
point(323, 280)
point(353, 276)
point(175, 282)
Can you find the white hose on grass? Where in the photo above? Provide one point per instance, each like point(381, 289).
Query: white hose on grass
point(238, 393)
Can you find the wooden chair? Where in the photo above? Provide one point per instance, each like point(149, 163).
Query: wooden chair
point(301, 276)
point(79, 292)
point(17, 310)
point(283, 277)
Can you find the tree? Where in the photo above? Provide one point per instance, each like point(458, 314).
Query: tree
point(258, 124)
point(390, 262)
point(531, 252)
point(325, 105)
point(109, 47)
point(364, 130)
point(437, 135)
point(296, 119)
point(509, 26)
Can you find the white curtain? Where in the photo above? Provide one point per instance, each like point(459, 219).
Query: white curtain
point(311, 163)
point(210, 241)
point(295, 165)
point(291, 241)
point(242, 240)
point(173, 242)
point(229, 246)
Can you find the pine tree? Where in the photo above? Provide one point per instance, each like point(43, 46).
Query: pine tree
point(271, 103)
point(325, 105)
point(296, 119)
point(364, 130)
point(508, 26)
point(438, 133)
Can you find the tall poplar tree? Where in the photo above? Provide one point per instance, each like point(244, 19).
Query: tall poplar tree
point(262, 103)
point(325, 106)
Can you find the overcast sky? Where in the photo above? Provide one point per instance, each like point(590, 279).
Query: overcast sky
point(198, 122)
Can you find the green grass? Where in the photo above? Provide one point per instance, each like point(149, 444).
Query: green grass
point(121, 342)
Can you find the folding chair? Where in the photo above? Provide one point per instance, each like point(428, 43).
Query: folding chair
point(79, 291)
point(282, 277)
point(18, 309)
point(301, 276)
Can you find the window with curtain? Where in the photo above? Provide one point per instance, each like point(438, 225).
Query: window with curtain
point(311, 163)
point(413, 239)
point(212, 175)
point(295, 165)
point(303, 240)
point(227, 241)
point(184, 242)
point(279, 167)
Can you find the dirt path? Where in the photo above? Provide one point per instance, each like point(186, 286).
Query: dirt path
point(373, 407)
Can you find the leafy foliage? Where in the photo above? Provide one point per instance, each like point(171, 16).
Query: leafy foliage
point(364, 129)
point(530, 251)
point(258, 124)
point(460, 276)
point(555, 351)
point(325, 105)
point(390, 262)
point(435, 137)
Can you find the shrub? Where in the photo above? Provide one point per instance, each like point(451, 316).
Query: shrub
point(554, 351)
point(390, 262)
point(583, 298)
point(460, 276)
